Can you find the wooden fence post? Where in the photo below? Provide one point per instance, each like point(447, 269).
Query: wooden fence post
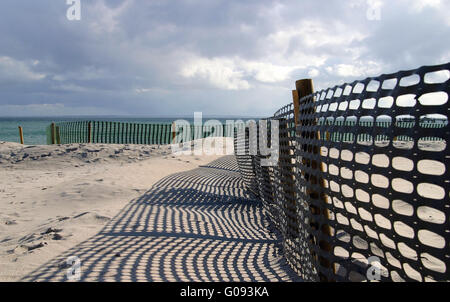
point(304, 88)
point(21, 135)
point(296, 100)
point(53, 133)
point(58, 135)
point(174, 133)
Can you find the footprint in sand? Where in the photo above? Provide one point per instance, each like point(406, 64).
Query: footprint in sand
point(24, 248)
point(52, 236)
point(56, 236)
point(51, 230)
point(5, 240)
point(89, 217)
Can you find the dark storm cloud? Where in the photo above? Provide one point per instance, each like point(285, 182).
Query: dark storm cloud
point(219, 57)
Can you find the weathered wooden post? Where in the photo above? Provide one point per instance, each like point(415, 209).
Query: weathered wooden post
point(287, 178)
point(174, 133)
point(53, 133)
point(21, 135)
point(304, 88)
point(58, 135)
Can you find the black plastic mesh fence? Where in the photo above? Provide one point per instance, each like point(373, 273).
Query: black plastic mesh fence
point(361, 186)
point(245, 161)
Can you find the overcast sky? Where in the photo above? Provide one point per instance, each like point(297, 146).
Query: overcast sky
point(221, 57)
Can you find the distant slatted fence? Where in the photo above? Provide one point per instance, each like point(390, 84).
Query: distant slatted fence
point(101, 132)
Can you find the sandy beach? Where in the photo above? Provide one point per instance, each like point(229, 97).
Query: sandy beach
point(54, 197)
point(63, 200)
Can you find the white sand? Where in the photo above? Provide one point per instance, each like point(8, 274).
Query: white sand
point(54, 197)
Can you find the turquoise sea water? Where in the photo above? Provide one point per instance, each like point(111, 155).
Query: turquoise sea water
point(34, 128)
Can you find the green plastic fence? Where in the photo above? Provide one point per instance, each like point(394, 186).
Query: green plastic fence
point(128, 133)
point(161, 134)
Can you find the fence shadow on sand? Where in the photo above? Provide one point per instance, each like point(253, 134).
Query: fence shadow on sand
point(199, 225)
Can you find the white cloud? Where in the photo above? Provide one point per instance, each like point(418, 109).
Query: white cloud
point(69, 87)
point(419, 5)
point(316, 33)
point(266, 72)
point(346, 70)
point(84, 73)
point(220, 72)
point(302, 45)
point(235, 73)
point(313, 33)
point(11, 69)
point(358, 69)
point(105, 19)
point(151, 90)
point(313, 73)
